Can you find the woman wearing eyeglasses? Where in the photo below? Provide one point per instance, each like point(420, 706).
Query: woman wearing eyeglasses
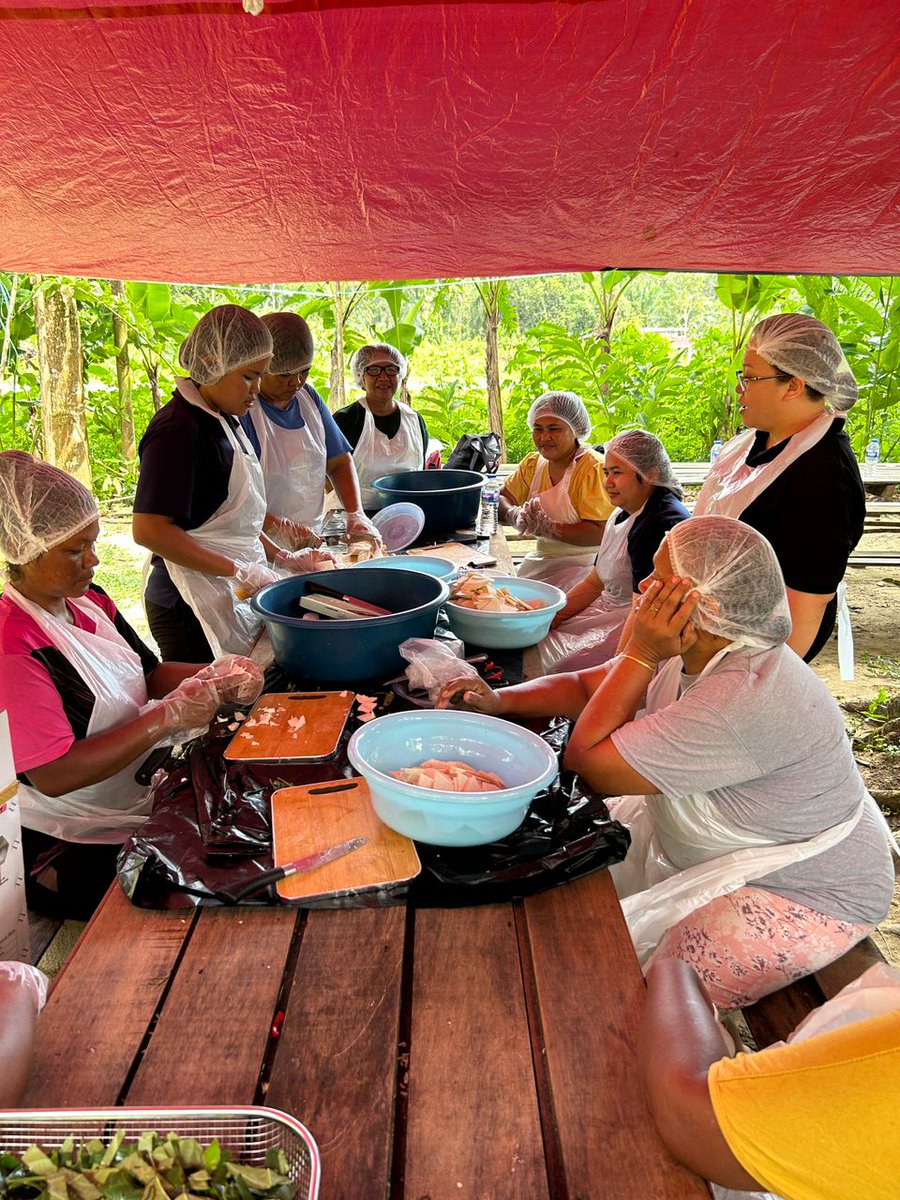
point(386, 435)
point(792, 474)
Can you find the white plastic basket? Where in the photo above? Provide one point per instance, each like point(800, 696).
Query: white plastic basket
point(247, 1133)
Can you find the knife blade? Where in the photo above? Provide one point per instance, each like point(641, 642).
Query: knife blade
point(319, 858)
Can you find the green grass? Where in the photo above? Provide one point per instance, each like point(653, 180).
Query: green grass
point(119, 573)
point(883, 665)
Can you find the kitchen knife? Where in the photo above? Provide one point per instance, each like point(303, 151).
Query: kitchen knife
point(310, 862)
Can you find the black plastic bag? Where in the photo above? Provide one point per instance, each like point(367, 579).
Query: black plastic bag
point(475, 452)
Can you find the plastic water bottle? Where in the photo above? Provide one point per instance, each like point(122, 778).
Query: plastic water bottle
point(490, 506)
point(714, 450)
point(873, 454)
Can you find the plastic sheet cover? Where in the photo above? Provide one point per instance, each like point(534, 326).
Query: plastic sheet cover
point(325, 139)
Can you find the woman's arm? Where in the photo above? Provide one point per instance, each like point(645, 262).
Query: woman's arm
point(162, 536)
point(18, 1017)
point(679, 1040)
point(581, 533)
point(168, 675)
point(807, 610)
point(343, 478)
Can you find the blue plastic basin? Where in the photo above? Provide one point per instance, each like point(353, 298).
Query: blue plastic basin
point(449, 499)
point(406, 739)
point(509, 631)
point(440, 568)
point(355, 650)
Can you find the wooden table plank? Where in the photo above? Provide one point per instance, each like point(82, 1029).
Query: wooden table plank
point(580, 953)
point(212, 1034)
point(474, 1129)
point(102, 1003)
point(337, 1060)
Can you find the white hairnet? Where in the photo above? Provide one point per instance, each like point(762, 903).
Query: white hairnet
point(646, 455)
point(365, 355)
point(292, 342)
point(224, 339)
point(567, 407)
point(40, 506)
point(735, 570)
point(803, 346)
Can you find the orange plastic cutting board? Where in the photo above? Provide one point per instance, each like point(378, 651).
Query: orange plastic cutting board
point(455, 552)
point(318, 815)
point(268, 736)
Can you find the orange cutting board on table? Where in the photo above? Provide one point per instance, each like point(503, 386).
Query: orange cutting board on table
point(319, 815)
point(292, 727)
point(455, 552)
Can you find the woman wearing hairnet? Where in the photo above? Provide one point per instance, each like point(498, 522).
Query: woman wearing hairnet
point(757, 855)
point(792, 475)
point(642, 485)
point(86, 699)
point(386, 434)
point(200, 502)
point(556, 494)
point(299, 445)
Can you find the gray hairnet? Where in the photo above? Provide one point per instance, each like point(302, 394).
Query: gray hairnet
point(224, 339)
point(365, 355)
point(735, 570)
point(567, 407)
point(292, 342)
point(803, 346)
point(40, 506)
point(646, 454)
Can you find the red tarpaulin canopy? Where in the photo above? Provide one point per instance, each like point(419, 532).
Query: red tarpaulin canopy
point(333, 140)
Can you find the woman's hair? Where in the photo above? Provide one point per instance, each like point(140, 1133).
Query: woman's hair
point(292, 342)
point(365, 355)
point(647, 457)
point(224, 339)
point(803, 347)
point(40, 506)
point(735, 570)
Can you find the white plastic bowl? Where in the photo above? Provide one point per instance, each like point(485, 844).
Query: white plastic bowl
point(406, 739)
point(508, 631)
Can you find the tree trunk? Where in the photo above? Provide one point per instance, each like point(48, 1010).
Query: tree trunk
point(123, 376)
point(337, 397)
point(153, 377)
point(491, 299)
point(62, 385)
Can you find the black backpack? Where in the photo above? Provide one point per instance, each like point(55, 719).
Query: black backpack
point(475, 452)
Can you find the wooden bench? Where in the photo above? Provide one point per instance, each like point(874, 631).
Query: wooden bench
point(774, 1017)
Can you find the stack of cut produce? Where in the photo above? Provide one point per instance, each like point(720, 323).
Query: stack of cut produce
point(443, 776)
point(482, 594)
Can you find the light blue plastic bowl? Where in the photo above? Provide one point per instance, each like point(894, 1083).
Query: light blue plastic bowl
point(518, 756)
point(508, 631)
point(425, 564)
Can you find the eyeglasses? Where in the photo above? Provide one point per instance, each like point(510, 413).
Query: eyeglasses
point(743, 379)
point(376, 369)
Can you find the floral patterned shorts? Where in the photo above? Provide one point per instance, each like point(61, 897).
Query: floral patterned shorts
point(752, 942)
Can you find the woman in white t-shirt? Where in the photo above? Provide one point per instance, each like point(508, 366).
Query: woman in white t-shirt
point(757, 854)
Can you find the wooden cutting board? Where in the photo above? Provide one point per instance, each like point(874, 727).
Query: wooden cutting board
point(268, 734)
point(455, 552)
point(318, 815)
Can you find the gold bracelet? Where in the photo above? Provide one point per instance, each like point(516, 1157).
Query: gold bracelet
point(649, 666)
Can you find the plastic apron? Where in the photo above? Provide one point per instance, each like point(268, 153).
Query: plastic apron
point(553, 561)
point(731, 486)
point(591, 637)
point(711, 856)
point(110, 810)
point(375, 454)
point(293, 463)
point(230, 625)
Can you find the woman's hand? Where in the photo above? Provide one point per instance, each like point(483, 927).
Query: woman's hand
point(291, 534)
point(662, 625)
point(471, 693)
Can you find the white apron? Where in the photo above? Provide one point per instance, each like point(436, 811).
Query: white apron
point(683, 854)
point(112, 809)
point(293, 463)
point(553, 561)
point(731, 486)
point(375, 454)
point(591, 637)
point(230, 625)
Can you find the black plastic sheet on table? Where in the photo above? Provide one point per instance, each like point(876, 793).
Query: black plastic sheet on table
point(210, 833)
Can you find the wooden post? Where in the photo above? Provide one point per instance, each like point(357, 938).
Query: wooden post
point(62, 385)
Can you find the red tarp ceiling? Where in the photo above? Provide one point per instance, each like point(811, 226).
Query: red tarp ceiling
point(332, 140)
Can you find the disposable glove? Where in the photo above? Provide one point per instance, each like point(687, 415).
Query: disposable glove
point(300, 562)
point(290, 533)
point(515, 515)
point(237, 679)
point(190, 706)
point(248, 578)
point(535, 521)
point(361, 529)
point(29, 978)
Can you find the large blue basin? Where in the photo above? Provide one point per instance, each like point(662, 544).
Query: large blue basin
point(449, 499)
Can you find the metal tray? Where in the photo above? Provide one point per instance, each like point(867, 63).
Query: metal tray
point(247, 1133)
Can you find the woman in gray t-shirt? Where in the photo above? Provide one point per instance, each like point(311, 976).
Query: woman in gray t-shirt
point(757, 855)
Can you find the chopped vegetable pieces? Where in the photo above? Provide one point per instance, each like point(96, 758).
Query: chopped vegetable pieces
point(482, 594)
point(449, 776)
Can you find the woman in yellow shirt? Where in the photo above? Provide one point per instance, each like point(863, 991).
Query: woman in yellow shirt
point(556, 493)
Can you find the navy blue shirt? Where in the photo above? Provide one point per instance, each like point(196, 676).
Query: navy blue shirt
point(661, 513)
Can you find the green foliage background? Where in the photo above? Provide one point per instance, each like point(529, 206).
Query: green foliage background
point(644, 349)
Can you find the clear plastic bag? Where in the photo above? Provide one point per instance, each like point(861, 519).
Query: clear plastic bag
point(433, 663)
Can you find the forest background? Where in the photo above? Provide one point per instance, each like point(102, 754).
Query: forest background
point(85, 363)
